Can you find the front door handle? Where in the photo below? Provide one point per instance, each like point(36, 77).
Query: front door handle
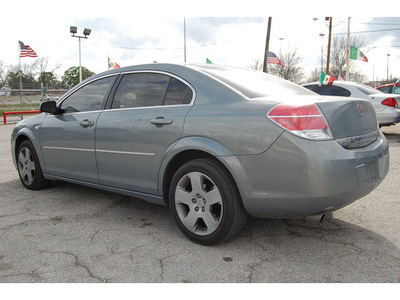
point(161, 121)
point(86, 123)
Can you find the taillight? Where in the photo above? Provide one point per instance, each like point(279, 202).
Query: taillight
point(303, 120)
point(390, 102)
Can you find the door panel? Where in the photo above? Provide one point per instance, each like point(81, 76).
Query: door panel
point(67, 140)
point(131, 143)
point(67, 143)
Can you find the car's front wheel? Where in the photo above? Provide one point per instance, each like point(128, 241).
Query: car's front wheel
point(205, 202)
point(29, 169)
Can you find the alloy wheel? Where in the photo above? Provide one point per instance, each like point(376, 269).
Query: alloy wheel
point(198, 203)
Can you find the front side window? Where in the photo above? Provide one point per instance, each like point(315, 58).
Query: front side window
point(396, 90)
point(88, 98)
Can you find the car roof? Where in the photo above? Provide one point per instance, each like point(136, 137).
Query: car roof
point(388, 84)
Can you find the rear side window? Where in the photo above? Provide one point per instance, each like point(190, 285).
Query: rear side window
point(178, 93)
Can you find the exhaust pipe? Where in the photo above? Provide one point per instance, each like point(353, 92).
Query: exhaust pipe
point(316, 217)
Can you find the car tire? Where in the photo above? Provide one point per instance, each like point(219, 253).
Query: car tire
point(205, 202)
point(29, 169)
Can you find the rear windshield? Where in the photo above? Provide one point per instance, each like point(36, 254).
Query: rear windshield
point(253, 84)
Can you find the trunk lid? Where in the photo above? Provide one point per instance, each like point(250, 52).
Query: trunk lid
point(348, 117)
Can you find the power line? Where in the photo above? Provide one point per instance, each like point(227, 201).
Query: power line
point(368, 31)
point(163, 49)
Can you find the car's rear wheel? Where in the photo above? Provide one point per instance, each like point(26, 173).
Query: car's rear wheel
point(205, 202)
point(29, 169)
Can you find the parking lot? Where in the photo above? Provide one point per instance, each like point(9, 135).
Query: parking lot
point(70, 233)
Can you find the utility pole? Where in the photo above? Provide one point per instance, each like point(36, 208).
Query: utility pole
point(184, 40)
point(267, 45)
point(387, 70)
point(329, 44)
point(348, 52)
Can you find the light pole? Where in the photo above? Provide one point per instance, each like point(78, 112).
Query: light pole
point(86, 32)
point(322, 51)
point(387, 71)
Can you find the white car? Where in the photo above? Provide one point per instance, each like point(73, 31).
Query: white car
point(50, 97)
point(386, 105)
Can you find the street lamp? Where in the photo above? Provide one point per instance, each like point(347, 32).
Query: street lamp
point(322, 50)
point(86, 32)
point(387, 72)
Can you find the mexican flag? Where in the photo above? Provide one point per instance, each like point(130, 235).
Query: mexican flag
point(326, 79)
point(112, 65)
point(357, 54)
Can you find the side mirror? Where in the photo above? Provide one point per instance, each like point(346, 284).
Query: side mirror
point(49, 107)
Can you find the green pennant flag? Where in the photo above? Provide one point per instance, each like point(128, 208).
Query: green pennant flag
point(357, 54)
point(208, 61)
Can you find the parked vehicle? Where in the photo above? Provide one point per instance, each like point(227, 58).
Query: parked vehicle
point(385, 105)
point(49, 97)
point(214, 143)
point(390, 88)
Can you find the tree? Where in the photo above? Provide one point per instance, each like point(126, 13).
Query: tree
point(339, 57)
point(47, 78)
point(71, 76)
point(315, 75)
point(3, 74)
point(41, 67)
point(256, 64)
point(291, 69)
point(26, 73)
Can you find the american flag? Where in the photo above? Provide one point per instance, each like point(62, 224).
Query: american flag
point(273, 59)
point(26, 51)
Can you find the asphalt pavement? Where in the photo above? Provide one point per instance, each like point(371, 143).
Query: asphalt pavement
point(71, 233)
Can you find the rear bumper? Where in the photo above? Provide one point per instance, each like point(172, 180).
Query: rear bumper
point(296, 177)
point(388, 116)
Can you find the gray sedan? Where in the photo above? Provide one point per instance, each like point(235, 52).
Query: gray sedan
point(386, 105)
point(213, 143)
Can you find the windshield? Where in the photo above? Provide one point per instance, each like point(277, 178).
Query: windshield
point(253, 84)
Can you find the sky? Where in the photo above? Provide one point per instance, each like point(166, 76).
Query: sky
point(226, 32)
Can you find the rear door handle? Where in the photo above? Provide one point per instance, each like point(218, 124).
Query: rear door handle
point(86, 123)
point(161, 121)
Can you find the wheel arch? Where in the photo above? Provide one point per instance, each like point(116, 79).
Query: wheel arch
point(190, 149)
point(21, 136)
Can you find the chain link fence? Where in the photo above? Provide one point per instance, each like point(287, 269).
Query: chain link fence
point(29, 98)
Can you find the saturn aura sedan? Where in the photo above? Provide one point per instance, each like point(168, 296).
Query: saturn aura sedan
point(386, 105)
point(213, 143)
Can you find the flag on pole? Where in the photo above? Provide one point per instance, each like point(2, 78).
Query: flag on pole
point(273, 59)
point(326, 79)
point(208, 61)
point(112, 64)
point(357, 54)
point(26, 51)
